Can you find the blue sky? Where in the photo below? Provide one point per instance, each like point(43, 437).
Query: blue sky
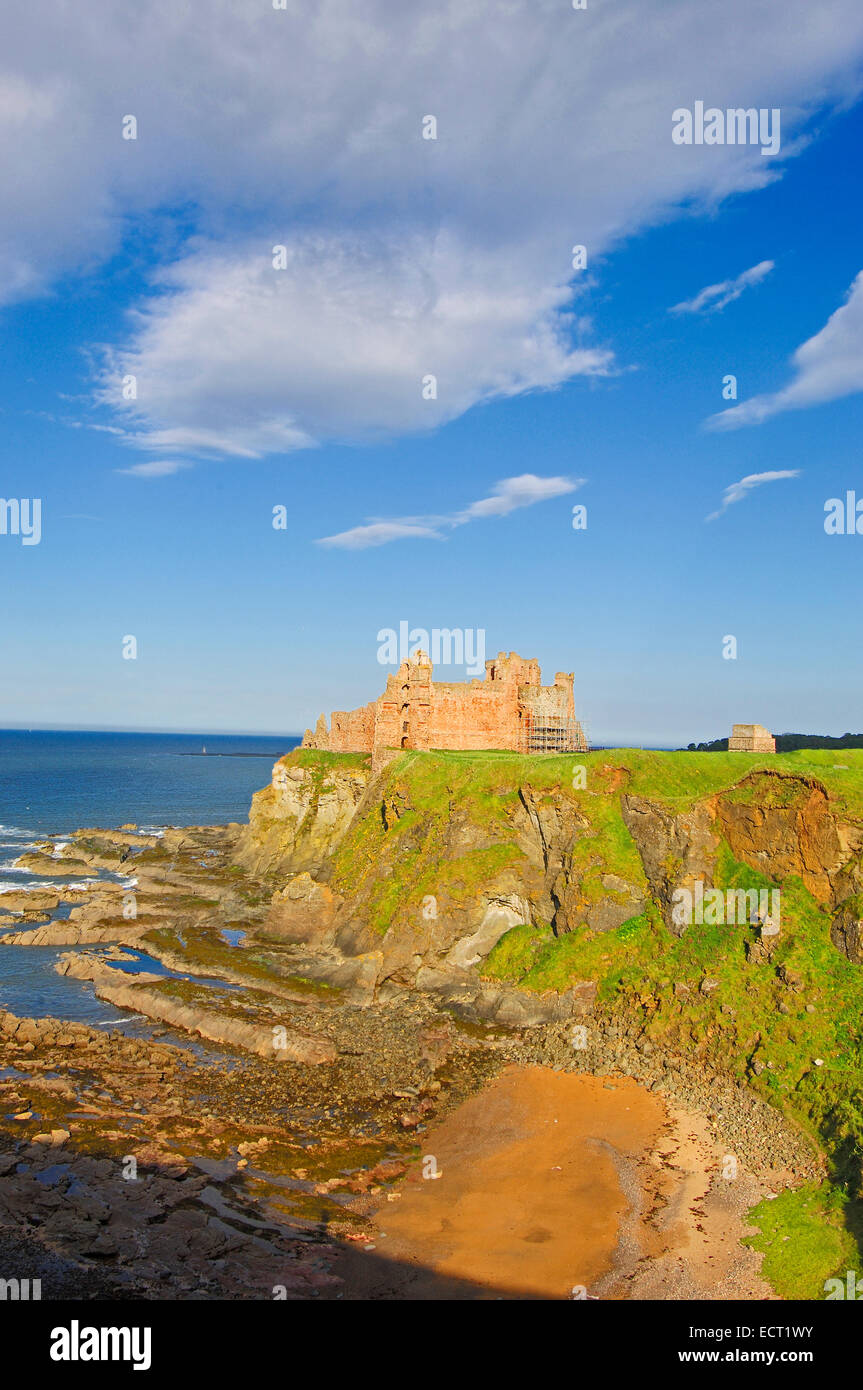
point(453, 257)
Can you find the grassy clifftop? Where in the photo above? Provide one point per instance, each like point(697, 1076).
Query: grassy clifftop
point(457, 818)
point(678, 779)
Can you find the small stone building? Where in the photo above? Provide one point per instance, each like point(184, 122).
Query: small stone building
point(751, 738)
point(509, 709)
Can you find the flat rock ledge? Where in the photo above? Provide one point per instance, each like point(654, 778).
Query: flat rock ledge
point(277, 1044)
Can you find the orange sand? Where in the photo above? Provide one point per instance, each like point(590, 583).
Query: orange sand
point(529, 1200)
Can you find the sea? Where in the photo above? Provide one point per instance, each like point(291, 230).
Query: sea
point(52, 783)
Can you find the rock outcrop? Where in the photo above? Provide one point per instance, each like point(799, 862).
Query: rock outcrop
point(297, 821)
point(276, 1044)
point(676, 849)
point(777, 824)
point(550, 829)
point(303, 912)
point(846, 932)
point(785, 825)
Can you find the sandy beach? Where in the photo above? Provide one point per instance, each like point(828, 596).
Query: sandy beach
point(557, 1185)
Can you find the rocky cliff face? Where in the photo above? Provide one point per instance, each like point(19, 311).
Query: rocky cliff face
point(298, 820)
point(675, 849)
point(777, 824)
point(394, 881)
point(560, 840)
point(787, 825)
point(847, 930)
point(389, 885)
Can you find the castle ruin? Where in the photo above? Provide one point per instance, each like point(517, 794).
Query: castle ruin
point(751, 738)
point(510, 709)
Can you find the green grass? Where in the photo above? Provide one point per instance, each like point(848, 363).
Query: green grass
point(315, 758)
point(678, 779)
point(730, 873)
point(805, 1238)
point(515, 955)
point(536, 959)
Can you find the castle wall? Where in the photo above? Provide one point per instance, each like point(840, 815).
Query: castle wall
point(415, 712)
point(479, 715)
point(352, 731)
point(548, 701)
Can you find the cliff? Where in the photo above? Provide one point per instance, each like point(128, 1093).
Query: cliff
point(439, 838)
point(297, 820)
point(528, 890)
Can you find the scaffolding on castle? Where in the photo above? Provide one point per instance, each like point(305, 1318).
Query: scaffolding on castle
point(551, 734)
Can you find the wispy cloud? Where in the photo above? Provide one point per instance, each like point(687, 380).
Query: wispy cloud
point(156, 468)
point(506, 496)
point(828, 366)
point(380, 533)
point(715, 297)
point(737, 491)
point(512, 493)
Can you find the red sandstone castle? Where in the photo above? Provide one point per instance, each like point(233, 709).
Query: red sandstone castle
point(509, 709)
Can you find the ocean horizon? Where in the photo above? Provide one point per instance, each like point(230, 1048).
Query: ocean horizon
point(55, 781)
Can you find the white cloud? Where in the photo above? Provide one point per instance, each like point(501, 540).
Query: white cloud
point(715, 297)
point(380, 533)
point(522, 491)
point(236, 357)
point(302, 127)
point(507, 496)
point(827, 367)
point(156, 468)
point(737, 491)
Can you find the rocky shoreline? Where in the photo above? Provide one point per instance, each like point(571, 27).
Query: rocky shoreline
point(235, 1194)
point(295, 1067)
